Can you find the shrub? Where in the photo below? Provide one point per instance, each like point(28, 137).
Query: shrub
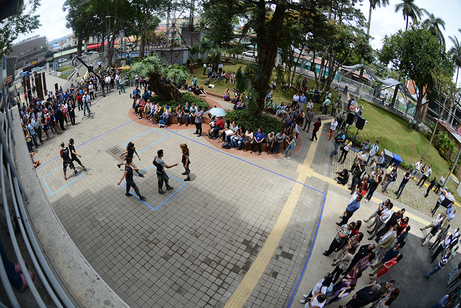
point(188, 97)
point(243, 118)
point(406, 165)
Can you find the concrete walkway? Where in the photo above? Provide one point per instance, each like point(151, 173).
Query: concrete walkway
point(243, 233)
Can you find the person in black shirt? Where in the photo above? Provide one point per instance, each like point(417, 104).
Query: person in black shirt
point(130, 151)
point(128, 176)
point(74, 155)
point(66, 161)
point(395, 219)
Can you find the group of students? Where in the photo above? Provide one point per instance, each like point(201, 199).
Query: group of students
point(354, 257)
point(240, 138)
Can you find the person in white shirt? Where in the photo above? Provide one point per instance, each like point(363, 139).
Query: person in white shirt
point(76, 72)
point(310, 105)
point(107, 80)
point(91, 90)
point(440, 184)
point(333, 126)
point(117, 80)
point(295, 99)
point(86, 101)
point(382, 215)
point(425, 176)
point(417, 169)
point(373, 151)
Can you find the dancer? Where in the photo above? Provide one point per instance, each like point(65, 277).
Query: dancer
point(128, 175)
point(161, 173)
point(185, 160)
point(66, 161)
point(74, 154)
point(130, 151)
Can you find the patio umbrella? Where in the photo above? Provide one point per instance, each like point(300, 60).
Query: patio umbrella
point(216, 111)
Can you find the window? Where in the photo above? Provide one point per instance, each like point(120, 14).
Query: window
point(28, 50)
point(35, 48)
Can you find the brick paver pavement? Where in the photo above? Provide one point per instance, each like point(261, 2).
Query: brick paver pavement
point(189, 247)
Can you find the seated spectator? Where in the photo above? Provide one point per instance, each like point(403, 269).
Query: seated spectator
point(190, 117)
point(343, 177)
point(227, 134)
point(248, 138)
point(280, 109)
point(179, 113)
point(258, 139)
point(228, 77)
point(237, 139)
point(232, 78)
point(219, 125)
point(226, 95)
point(270, 142)
point(163, 121)
point(199, 91)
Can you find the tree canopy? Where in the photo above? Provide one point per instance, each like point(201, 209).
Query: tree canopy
point(24, 21)
point(416, 53)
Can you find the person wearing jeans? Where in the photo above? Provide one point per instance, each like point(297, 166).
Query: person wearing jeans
point(391, 178)
point(437, 267)
point(279, 137)
point(340, 138)
point(290, 147)
point(198, 121)
point(404, 182)
point(86, 101)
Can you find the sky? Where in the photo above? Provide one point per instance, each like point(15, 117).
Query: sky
point(383, 20)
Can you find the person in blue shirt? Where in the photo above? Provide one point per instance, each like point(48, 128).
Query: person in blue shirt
point(302, 101)
point(353, 206)
point(194, 81)
point(340, 138)
point(258, 139)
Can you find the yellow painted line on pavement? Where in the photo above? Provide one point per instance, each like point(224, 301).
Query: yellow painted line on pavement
point(256, 270)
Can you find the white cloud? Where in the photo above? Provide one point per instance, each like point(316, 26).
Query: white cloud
point(53, 20)
point(386, 21)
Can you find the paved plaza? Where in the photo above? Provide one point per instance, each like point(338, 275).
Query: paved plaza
point(241, 233)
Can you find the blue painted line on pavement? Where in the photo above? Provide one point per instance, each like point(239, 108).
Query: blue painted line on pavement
point(154, 209)
point(88, 141)
point(126, 143)
point(283, 176)
point(68, 183)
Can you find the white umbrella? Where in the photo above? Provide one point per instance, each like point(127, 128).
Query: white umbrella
point(216, 111)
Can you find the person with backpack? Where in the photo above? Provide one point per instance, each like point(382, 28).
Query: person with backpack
point(66, 160)
point(74, 155)
point(161, 173)
point(128, 176)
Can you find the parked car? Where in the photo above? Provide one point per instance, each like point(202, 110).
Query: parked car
point(37, 69)
point(250, 53)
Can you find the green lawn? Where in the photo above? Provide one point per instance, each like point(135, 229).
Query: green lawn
point(278, 97)
point(394, 135)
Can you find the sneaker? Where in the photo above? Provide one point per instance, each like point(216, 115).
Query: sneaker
point(161, 191)
point(188, 179)
point(169, 188)
point(184, 173)
point(118, 165)
point(141, 175)
point(84, 169)
point(288, 157)
point(302, 301)
point(142, 198)
point(305, 296)
point(128, 194)
point(24, 282)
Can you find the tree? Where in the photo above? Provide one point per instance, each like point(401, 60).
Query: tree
point(433, 24)
point(455, 54)
point(373, 5)
point(409, 10)
point(24, 21)
point(446, 91)
point(416, 53)
point(162, 77)
point(146, 19)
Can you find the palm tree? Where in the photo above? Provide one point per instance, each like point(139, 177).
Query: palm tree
point(373, 5)
point(455, 54)
point(433, 24)
point(410, 10)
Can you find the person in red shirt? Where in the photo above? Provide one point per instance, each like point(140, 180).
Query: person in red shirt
point(316, 129)
point(219, 124)
point(79, 98)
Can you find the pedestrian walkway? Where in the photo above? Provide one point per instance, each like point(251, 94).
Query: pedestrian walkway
point(243, 233)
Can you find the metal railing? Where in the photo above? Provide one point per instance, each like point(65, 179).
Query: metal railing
point(33, 245)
